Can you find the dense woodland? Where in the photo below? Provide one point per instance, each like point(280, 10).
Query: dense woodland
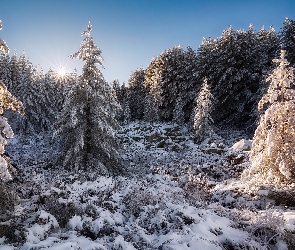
point(241, 82)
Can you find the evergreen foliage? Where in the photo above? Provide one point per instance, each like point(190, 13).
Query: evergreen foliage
point(31, 95)
point(273, 156)
point(234, 65)
point(171, 83)
point(202, 113)
point(136, 94)
point(87, 122)
point(3, 46)
point(7, 101)
point(288, 40)
point(120, 91)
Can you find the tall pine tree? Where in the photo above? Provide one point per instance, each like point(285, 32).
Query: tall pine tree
point(87, 121)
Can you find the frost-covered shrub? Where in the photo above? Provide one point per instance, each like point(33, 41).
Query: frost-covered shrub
point(136, 199)
point(8, 201)
point(272, 155)
point(54, 206)
point(267, 226)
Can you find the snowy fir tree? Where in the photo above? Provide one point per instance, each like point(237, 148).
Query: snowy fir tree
point(202, 120)
point(4, 60)
point(54, 89)
point(32, 97)
point(136, 94)
point(87, 122)
point(3, 46)
point(120, 91)
point(171, 77)
point(7, 101)
point(272, 155)
point(234, 65)
point(288, 40)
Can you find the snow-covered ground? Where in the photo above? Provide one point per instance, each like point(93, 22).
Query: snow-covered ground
point(174, 194)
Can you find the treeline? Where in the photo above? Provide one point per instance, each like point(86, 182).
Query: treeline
point(235, 65)
point(219, 84)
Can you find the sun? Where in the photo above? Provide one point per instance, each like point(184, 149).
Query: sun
point(61, 71)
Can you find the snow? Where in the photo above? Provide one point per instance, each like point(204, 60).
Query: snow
point(242, 145)
point(188, 199)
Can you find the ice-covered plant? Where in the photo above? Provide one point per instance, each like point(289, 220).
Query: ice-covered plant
point(273, 152)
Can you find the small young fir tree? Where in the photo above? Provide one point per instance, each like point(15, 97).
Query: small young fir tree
point(203, 121)
point(273, 152)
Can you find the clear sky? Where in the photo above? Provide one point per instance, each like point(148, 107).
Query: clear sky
point(129, 32)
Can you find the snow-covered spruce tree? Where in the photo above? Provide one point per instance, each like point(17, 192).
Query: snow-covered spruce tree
point(7, 101)
point(31, 95)
point(3, 47)
point(171, 78)
point(288, 40)
point(234, 65)
point(123, 114)
point(87, 122)
point(273, 156)
point(4, 60)
point(202, 120)
point(136, 94)
point(54, 90)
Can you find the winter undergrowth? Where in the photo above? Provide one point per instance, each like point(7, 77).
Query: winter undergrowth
point(174, 194)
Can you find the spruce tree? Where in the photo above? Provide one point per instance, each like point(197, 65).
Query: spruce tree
point(171, 85)
point(272, 156)
point(234, 65)
point(120, 91)
point(288, 40)
point(87, 122)
point(202, 120)
point(3, 46)
point(136, 94)
point(7, 101)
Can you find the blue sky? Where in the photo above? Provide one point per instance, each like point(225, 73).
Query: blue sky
point(130, 33)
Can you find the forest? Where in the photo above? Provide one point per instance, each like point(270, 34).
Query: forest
point(196, 151)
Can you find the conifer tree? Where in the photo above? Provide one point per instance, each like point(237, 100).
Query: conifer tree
point(136, 94)
point(273, 155)
point(120, 91)
point(32, 97)
point(7, 101)
point(288, 40)
point(3, 46)
point(4, 59)
point(234, 65)
point(171, 84)
point(87, 122)
point(202, 113)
